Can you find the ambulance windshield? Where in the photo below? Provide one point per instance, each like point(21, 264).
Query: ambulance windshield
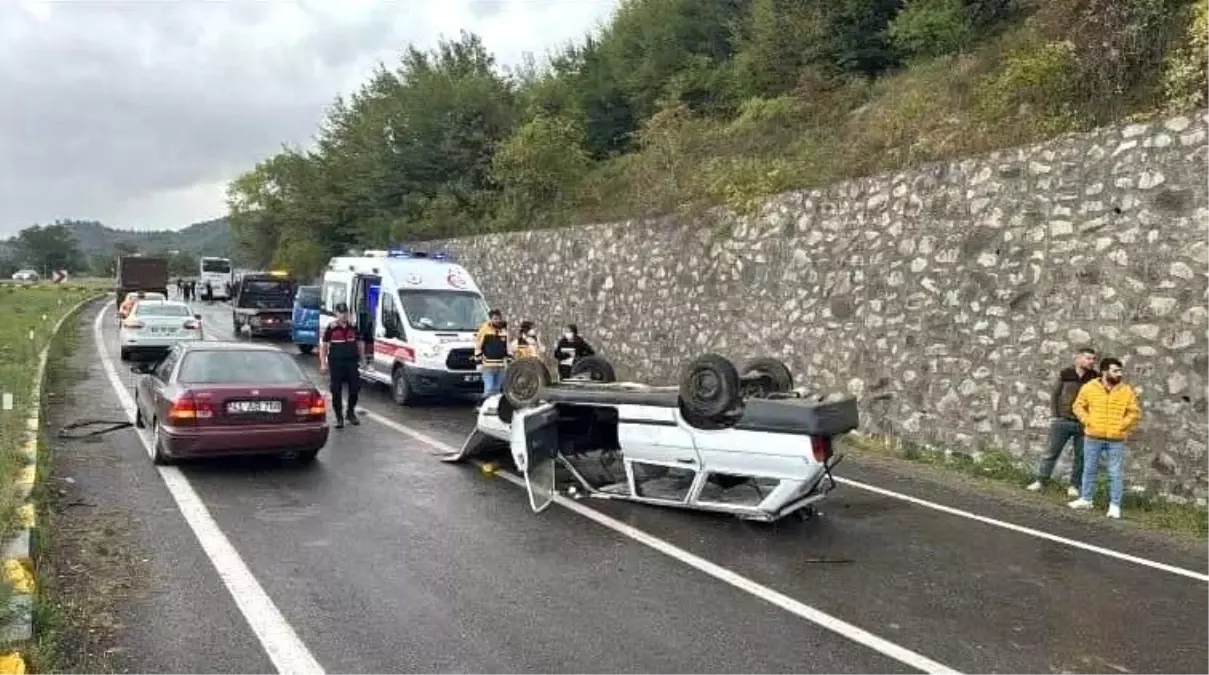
point(440, 310)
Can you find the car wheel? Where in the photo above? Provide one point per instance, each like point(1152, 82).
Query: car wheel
point(307, 457)
point(523, 381)
point(139, 422)
point(306, 349)
point(159, 457)
point(764, 376)
point(400, 390)
point(124, 354)
point(595, 368)
point(709, 390)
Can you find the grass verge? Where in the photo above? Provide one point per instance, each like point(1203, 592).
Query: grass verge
point(30, 314)
point(997, 467)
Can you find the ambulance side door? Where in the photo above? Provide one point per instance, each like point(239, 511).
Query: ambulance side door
point(389, 335)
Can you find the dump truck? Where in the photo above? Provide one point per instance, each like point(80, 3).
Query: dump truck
point(141, 273)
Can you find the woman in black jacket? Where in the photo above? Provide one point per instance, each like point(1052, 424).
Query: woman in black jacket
point(571, 347)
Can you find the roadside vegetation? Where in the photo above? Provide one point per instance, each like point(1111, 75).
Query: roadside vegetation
point(676, 104)
point(991, 466)
point(25, 309)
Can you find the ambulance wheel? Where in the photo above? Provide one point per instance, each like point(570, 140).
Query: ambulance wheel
point(710, 391)
point(400, 388)
point(524, 380)
point(594, 368)
point(764, 376)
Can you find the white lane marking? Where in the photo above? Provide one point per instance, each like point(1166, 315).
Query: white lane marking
point(804, 611)
point(280, 642)
point(1020, 529)
point(1074, 543)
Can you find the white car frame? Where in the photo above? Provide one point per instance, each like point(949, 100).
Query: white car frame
point(773, 458)
point(140, 332)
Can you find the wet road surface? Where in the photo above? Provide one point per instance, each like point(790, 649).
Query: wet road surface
point(384, 559)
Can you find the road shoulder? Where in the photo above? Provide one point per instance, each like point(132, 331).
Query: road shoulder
point(126, 586)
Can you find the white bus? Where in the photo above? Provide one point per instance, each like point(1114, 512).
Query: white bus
point(217, 271)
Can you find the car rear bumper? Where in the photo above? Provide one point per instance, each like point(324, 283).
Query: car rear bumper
point(278, 328)
point(429, 381)
point(183, 442)
point(138, 345)
point(305, 336)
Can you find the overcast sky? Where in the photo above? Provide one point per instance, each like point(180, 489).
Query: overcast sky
point(137, 112)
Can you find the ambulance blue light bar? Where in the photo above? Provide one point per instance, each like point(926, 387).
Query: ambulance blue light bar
point(403, 252)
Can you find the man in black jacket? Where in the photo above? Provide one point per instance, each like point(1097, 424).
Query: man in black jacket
point(1064, 426)
point(341, 350)
point(570, 348)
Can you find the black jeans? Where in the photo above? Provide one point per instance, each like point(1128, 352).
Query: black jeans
point(1060, 431)
point(343, 373)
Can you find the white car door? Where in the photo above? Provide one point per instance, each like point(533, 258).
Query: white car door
point(661, 458)
point(534, 441)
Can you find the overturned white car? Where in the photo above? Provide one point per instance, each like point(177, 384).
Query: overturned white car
point(748, 444)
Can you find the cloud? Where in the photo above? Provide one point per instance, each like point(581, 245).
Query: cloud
point(138, 112)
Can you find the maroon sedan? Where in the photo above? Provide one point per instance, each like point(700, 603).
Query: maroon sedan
point(217, 399)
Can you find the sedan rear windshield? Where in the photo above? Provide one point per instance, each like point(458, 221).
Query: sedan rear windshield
point(161, 310)
point(239, 367)
point(308, 297)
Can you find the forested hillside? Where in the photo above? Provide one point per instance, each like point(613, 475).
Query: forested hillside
point(683, 103)
point(90, 247)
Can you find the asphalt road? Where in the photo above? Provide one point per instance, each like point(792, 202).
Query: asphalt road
point(383, 559)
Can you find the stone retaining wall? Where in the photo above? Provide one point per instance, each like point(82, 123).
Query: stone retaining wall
point(945, 297)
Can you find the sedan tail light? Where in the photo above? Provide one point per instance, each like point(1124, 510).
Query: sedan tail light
point(821, 445)
point(132, 323)
point(188, 408)
point(310, 405)
point(192, 324)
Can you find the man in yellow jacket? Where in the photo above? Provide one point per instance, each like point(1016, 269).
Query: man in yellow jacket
point(1109, 411)
point(491, 351)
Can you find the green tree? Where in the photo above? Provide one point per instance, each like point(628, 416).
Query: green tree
point(47, 248)
point(930, 28)
point(540, 166)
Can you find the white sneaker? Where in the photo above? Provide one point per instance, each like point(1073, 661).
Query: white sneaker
point(1080, 504)
point(1114, 511)
point(1034, 486)
point(1072, 491)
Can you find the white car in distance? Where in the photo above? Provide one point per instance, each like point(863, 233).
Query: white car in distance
point(745, 444)
point(154, 326)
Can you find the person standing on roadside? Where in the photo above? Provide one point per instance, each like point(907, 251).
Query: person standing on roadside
point(1109, 411)
point(491, 351)
point(527, 343)
point(341, 352)
point(1064, 426)
point(571, 347)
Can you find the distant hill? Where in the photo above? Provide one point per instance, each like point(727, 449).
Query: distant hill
point(211, 237)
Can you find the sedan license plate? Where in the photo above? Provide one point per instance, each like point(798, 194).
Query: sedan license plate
point(471, 378)
point(246, 407)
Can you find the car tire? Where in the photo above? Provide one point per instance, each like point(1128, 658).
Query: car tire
point(523, 381)
point(139, 422)
point(765, 375)
point(124, 354)
point(596, 368)
point(307, 457)
point(306, 349)
point(159, 457)
point(400, 388)
point(709, 390)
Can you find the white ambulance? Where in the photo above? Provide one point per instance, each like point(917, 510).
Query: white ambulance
point(422, 311)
